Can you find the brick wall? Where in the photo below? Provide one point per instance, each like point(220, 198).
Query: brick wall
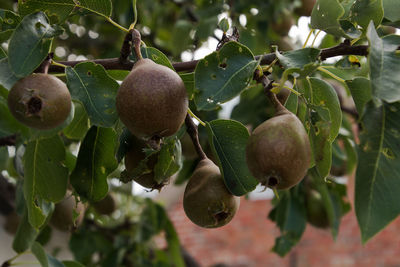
point(248, 238)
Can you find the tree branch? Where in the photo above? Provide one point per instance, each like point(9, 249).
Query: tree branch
point(115, 63)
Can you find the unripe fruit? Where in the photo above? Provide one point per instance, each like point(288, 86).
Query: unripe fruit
point(316, 212)
point(133, 158)
point(106, 206)
point(152, 100)
point(40, 101)
point(62, 217)
point(206, 201)
point(278, 151)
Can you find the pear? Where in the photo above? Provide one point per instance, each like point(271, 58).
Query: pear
point(132, 160)
point(317, 215)
point(106, 206)
point(152, 100)
point(278, 151)
point(40, 101)
point(63, 218)
point(206, 201)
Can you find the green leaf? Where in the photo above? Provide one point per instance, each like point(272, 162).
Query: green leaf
point(188, 80)
point(391, 10)
point(222, 75)
point(325, 16)
point(30, 44)
point(8, 124)
point(384, 65)
point(378, 172)
point(228, 141)
point(298, 59)
point(180, 31)
point(26, 234)
point(103, 7)
point(44, 259)
point(59, 8)
point(360, 89)
point(7, 76)
point(320, 140)
point(169, 160)
point(363, 11)
point(40, 254)
point(72, 264)
point(298, 63)
point(79, 125)
point(8, 20)
point(290, 217)
point(89, 83)
point(95, 162)
point(45, 177)
point(224, 24)
point(323, 94)
point(154, 54)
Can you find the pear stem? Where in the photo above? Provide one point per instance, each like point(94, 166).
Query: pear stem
point(44, 67)
point(126, 48)
point(193, 132)
point(136, 40)
point(267, 84)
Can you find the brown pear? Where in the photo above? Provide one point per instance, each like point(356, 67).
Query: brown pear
point(206, 201)
point(132, 160)
point(40, 101)
point(152, 100)
point(316, 213)
point(106, 206)
point(63, 218)
point(278, 151)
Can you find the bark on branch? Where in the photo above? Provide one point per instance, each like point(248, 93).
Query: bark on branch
point(115, 63)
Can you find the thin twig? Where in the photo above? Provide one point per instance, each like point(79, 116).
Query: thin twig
point(193, 132)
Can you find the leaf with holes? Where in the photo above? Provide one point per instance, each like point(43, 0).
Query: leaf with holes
point(326, 15)
point(45, 177)
point(222, 75)
point(323, 94)
point(228, 141)
point(378, 175)
point(8, 20)
point(30, 43)
point(90, 84)
point(319, 140)
point(95, 162)
point(384, 65)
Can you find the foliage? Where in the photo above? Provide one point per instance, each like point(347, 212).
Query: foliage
point(85, 153)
